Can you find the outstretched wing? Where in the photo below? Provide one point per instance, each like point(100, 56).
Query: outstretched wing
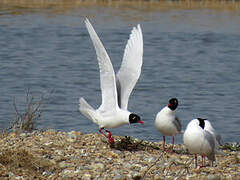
point(130, 69)
point(107, 74)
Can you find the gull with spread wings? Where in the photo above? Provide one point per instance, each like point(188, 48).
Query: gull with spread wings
point(115, 89)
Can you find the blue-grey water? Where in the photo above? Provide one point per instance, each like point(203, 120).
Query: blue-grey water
point(193, 55)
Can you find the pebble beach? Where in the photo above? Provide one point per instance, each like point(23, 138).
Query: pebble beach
point(73, 155)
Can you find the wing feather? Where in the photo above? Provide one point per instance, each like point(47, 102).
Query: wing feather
point(211, 142)
point(130, 69)
point(107, 74)
point(177, 124)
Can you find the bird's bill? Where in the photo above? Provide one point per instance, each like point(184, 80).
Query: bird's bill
point(141, 122)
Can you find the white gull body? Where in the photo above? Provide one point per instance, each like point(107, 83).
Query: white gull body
point(166, 122)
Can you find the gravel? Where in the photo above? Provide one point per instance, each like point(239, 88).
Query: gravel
point(74, 155)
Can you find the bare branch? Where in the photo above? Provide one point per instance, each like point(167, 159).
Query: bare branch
point(26, 121)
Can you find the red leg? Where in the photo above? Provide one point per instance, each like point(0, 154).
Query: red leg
point(109, 133)
point(100, 130)
point(172, 143)
point(108, 136)
point(195, 161)
point(203, 162)
point(163, 143)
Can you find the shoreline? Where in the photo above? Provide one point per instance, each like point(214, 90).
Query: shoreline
point(162, 5)
point(53, 154)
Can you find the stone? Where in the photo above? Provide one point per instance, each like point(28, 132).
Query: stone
point(97, 166)
point(213, 177)
point(88, 157)
point(86, 177)
point(63, 164)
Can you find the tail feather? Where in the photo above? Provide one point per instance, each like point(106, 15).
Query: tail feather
point(86, 109)
point(212, 156)
point(219, 139)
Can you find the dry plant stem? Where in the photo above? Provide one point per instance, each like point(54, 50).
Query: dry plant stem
point(26, 121)
point(145, 173)
point(185, 171)
point(187, 165)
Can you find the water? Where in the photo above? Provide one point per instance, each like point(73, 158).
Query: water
point(189, 54)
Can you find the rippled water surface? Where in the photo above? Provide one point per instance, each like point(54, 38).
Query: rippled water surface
point(193, 55)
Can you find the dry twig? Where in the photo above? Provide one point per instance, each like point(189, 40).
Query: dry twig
point(145, 173)
point(26, 121)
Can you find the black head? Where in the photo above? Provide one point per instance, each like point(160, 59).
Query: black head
point(133, 118)
point(201, 122)
point(173, 104)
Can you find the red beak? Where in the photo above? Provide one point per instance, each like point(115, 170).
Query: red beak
point(141, 122)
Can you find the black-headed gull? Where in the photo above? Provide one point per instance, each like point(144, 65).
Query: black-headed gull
point(166, 121)
point(199, 141)
point(115, 90)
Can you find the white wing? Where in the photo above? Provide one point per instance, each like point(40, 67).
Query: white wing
point(107, 74)
point(130, 69)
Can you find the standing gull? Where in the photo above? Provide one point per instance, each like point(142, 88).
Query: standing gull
point(167, 123)
point(115, 90)
point(199, 141)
